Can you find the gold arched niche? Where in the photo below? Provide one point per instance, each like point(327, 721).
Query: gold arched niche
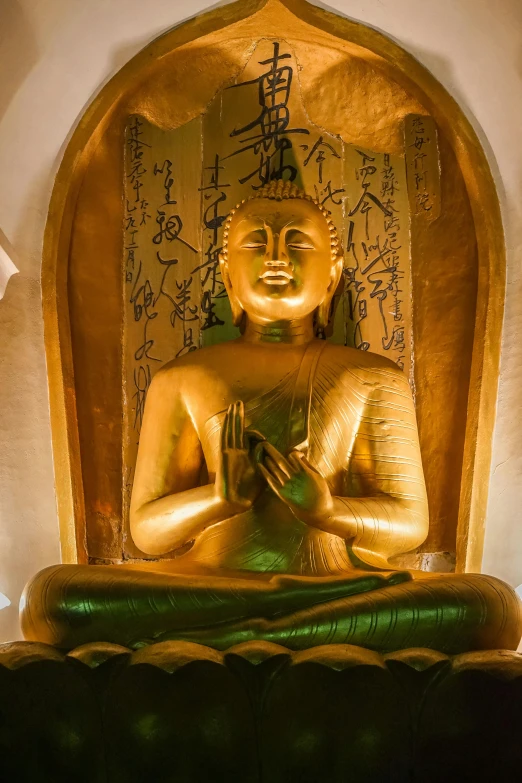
point(368, 84)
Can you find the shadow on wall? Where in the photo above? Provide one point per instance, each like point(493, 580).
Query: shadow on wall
point(18, 51)
point(121, 55)
point(443, 71)
point(27, 499)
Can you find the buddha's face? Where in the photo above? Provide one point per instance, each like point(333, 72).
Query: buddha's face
point(279, 264)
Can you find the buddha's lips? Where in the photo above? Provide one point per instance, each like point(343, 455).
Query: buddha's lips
point(279, 277)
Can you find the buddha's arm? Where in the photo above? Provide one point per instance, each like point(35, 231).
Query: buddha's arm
point(386, 508)
point(168, 508)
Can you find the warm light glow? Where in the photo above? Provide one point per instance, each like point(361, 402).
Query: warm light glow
point(4, 601)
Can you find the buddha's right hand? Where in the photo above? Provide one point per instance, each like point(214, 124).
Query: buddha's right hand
point(238, 482)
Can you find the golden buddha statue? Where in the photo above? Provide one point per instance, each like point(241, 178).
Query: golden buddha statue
point(281, 474)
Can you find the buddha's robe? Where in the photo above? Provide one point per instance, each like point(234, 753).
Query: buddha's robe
point(263, 574)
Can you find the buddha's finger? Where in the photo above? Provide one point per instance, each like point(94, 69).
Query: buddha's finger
point(270, 480)
point(259, 452)
point(254, 435)
point(252, 440)
point(278, 458)
point(239, 425)
point(280, 476)
point(232, 427)
point(236, 434)
point(229, 427)
point(302, 460)
point(224, 428)
point(295, 461)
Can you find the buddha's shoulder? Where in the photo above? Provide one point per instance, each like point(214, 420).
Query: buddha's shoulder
point(194, 363)
point(367, 366)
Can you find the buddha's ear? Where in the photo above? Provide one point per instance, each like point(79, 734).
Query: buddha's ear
point(237, 310)
point(323, 311)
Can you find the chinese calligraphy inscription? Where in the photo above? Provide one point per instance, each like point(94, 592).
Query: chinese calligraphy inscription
point(423, 166)
point(161, 251)
point(377, 296)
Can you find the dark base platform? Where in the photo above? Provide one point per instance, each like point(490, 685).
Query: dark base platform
point(183, 713)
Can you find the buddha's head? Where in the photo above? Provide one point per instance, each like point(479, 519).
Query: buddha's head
point(280, 259)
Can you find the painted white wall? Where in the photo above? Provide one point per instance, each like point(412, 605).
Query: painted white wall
point(55, 56)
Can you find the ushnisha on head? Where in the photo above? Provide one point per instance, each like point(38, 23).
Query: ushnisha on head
point(281, 257)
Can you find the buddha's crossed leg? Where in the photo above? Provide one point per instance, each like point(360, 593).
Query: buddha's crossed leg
point(71, 605)
point(450, 613)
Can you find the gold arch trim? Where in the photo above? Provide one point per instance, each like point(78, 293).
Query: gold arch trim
point(420, 83)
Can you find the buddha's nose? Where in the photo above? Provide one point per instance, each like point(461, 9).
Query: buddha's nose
point(278, 255)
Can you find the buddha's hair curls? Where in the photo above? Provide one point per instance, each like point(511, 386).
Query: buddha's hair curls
point(280, 190)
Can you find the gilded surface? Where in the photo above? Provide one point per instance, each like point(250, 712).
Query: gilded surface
point(255, 128)
point(282, 474)
point(362, 86)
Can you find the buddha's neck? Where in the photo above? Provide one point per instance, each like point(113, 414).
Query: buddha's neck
point(297, 332)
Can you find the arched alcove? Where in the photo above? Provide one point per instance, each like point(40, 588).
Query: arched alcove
point(362, 86)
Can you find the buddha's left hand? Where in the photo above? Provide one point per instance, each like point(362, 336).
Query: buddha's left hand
point(297, 483)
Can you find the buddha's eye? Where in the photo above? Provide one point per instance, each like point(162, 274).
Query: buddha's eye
point(254, 241)
point(299, 241)
point(301, 245)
